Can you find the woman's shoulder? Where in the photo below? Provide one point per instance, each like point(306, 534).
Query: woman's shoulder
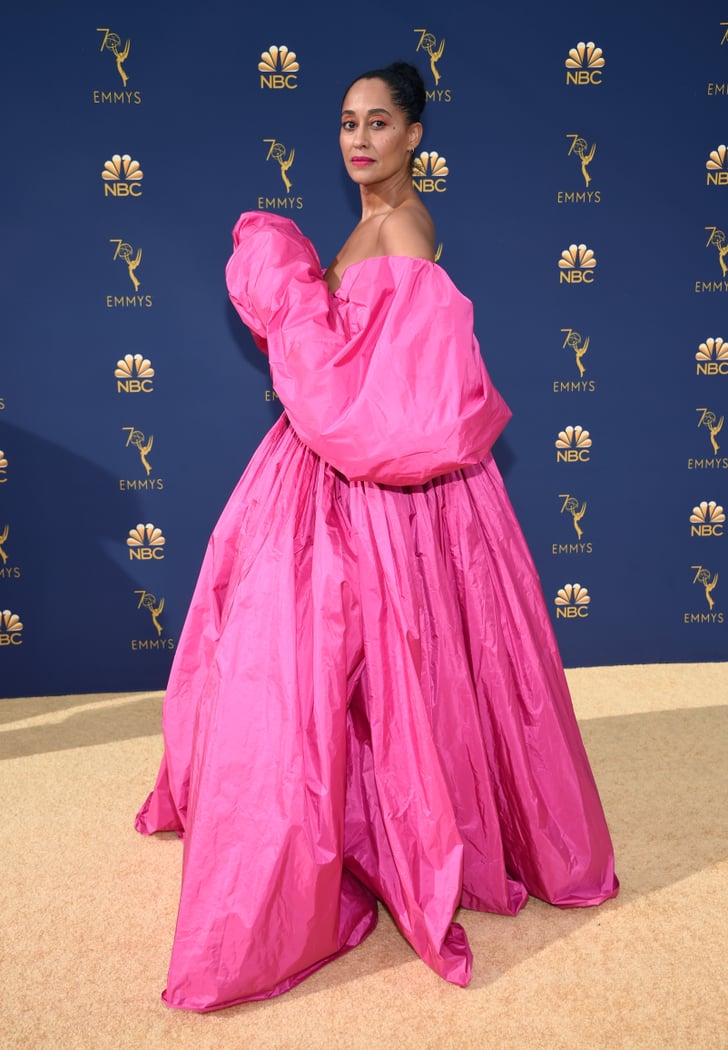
point(408, 230)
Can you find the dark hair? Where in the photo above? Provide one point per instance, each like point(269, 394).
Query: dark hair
point(405, 84)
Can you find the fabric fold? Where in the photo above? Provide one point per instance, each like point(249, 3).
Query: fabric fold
point(384, 380)
point(367, 702)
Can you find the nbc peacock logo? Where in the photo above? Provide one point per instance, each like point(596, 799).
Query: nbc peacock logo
point(584, 64)
point(278, 67)
point(572, 602)
point(429, 172)
point(573, 445)
point(577, 264)
point(717, 167)
point(11, 628)
point(134, 374)
point(712, 358)
point(707, 519)
point(3, 467)
point(145, 543)
point(122, 176)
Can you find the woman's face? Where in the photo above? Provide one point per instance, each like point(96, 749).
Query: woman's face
point(375, 138)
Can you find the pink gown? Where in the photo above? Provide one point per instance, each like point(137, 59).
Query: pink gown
point(367, 701)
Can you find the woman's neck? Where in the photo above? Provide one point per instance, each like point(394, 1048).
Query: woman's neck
point(385, 196)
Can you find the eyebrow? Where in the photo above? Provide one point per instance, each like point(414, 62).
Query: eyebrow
point(345, 112)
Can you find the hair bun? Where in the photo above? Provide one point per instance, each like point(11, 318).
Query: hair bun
point(405, 84)
point(407, 69)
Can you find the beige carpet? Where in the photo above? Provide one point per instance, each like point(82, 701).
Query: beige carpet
point(88, 906)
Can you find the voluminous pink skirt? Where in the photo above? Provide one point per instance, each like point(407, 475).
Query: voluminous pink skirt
point(367, 702)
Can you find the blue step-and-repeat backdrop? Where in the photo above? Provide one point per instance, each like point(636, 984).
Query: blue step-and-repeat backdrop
point(575, 163)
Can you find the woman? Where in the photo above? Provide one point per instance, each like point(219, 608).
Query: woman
point(367, 702)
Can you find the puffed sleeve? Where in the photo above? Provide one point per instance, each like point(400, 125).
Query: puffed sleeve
point(385, 380)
